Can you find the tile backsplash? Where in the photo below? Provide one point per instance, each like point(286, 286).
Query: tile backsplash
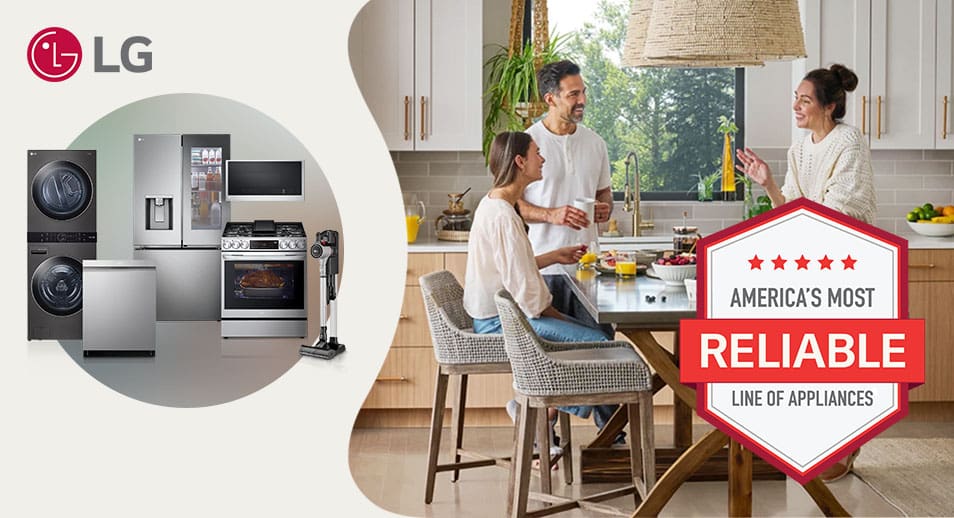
point(903, 179)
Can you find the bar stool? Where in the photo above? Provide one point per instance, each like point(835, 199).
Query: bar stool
point(461, 352)
point(548, 374)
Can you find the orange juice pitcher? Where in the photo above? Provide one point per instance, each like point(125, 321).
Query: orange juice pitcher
point(413, 217)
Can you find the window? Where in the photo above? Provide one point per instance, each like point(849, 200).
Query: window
point(668, 116)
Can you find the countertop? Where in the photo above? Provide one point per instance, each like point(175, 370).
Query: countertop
point(610, 300)
point(915, 242)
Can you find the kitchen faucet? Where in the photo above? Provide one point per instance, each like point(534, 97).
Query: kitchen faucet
point(631, 198)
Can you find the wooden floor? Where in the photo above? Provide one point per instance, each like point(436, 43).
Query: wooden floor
point(388, 465)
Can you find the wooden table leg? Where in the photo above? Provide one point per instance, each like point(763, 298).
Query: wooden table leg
point(682, 414)
point(826, 502)
point(612, 428)
point(684, 466)
point(740, 480)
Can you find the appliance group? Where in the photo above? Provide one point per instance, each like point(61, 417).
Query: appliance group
point(249, 276)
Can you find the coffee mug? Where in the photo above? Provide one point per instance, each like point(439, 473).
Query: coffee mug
point(587, 205)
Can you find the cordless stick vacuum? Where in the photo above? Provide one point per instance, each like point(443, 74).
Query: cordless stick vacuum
point(326, 346)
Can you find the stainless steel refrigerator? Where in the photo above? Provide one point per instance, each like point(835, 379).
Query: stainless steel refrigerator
point(178, 213)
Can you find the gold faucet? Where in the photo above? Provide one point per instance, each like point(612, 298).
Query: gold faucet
point(631, 198)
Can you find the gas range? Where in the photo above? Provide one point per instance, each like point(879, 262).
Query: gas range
point(263, 279)
point(264, 235)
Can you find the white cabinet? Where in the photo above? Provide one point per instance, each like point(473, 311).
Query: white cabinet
point(418, 65)
point(902, 74)
point(891, 45)
point(944, 97)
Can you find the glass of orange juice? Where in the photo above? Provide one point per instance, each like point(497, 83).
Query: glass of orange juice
point(413, 217)
point(625, 264)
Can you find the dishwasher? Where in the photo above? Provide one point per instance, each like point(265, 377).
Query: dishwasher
point(119, 308)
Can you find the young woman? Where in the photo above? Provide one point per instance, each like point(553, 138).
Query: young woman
point(499, 255)
point(830, 165)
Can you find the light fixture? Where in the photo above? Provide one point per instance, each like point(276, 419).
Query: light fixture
point(712, 33)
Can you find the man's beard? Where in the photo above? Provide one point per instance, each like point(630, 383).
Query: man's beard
point(574, 116)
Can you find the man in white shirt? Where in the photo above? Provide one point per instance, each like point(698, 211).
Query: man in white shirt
point(577, 166)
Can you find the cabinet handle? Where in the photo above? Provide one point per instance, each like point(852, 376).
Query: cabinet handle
point(864, 110)
point(944, 125)
point(402, 316)
point(879, 116)
point(422, 118)
point(924, 266)
point(392, 379)
point(407, 117)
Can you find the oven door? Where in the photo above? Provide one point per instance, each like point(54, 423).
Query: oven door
point(263, 285)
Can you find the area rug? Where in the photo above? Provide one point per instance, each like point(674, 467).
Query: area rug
point(916, 475)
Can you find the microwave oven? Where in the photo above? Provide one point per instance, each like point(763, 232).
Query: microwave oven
point(265, 180)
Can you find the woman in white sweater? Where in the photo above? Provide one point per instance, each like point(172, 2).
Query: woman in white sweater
point(831, 165)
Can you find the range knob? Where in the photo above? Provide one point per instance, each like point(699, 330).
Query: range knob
point(226, 245)
point(283, 244)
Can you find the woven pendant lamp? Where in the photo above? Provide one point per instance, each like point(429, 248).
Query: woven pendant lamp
point(712, 33)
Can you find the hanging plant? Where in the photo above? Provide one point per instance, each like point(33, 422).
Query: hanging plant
point(512, 97)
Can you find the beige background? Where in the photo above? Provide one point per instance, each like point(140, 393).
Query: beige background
point(71, 446)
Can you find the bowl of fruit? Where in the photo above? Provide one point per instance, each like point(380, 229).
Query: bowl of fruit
point(932, 221)
point(675, 269)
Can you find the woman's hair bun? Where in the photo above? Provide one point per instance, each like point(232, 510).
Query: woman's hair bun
point(849, 81)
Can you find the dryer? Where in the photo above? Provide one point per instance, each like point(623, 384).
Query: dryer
point(61, 191)
point(61, 233)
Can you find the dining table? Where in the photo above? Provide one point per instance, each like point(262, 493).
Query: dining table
point(638, 306)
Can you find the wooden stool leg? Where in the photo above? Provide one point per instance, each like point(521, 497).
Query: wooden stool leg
point(740, 480)
point(566, 442)
point(457, 422)
point(518, 492)
point(434, 444)
point(543, 447)
point(647, 439)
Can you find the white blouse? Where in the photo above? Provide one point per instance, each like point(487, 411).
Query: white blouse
point(499, 256)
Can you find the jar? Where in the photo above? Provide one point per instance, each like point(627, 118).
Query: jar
point(684, 239)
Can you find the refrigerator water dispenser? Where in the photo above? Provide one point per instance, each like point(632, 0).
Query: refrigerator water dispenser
point(159, 213)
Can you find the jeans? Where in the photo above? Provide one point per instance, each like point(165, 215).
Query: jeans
point(556, 330)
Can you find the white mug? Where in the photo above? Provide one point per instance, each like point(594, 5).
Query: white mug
point(587, 205)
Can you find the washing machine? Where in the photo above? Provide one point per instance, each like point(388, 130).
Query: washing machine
point(56, 289)
point(61, 191)
point(61, 233)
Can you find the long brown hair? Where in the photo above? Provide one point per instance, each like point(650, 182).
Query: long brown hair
point(503, 151)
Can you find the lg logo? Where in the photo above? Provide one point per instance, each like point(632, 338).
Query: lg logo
point(55, 55)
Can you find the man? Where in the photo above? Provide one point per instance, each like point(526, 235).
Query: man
point(577, 166)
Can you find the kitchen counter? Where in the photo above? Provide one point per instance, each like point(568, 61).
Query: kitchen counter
point(623, 301)
point(432, 245)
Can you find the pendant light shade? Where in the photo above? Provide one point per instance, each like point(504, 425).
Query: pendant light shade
point(712, 33)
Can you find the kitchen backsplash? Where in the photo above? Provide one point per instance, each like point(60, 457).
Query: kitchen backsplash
point(903, 179)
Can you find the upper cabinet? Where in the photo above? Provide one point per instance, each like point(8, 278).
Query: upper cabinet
point(892, 45)
point(418, 65)
point(944, 98)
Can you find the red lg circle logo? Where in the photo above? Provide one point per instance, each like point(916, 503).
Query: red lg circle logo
point(54, 54)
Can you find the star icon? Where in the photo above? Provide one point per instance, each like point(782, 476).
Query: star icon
point(802, 263)
point(779, 263)
point(849, 262)
point(755, 262)
point(826, 262)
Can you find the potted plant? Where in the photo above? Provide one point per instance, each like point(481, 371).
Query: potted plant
point(706, 185)
point(752, 206)
point(511, 96)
